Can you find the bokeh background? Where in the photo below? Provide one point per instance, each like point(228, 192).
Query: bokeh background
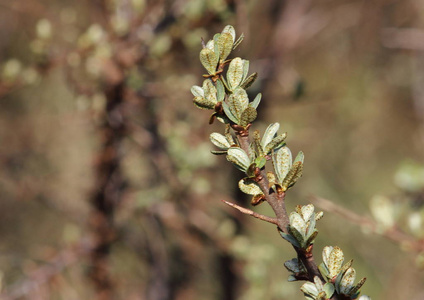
point(109, 191)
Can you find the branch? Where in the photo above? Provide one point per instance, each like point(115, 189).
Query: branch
point(394, 234)
point(275, 201)
point(252, 213)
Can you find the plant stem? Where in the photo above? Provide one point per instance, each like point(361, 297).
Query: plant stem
point(276, 201)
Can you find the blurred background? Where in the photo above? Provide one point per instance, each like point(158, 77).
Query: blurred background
point(108, 188)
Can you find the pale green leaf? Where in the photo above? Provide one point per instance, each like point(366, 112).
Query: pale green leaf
point(282, 160)
point(239, 158)
point(307, 211)
point(293, 175)
point(335, 261)
point(209, 60)
point(275, 143)
point(225, 45)
point(270, 132)
point(235, 73)
point(250, 187)
point(219, 140)
point(297, 222)
point(248, 116)
point(229, 113)
point(346, 284)
point(197, 91)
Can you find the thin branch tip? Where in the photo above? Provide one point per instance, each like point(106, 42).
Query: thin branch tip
point(249, 212)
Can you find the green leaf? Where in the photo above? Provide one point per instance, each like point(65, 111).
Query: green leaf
point(219, 140)
point(238, 102)
point(202, 103)
point(293, 175)
point(299, 157)
point(197, 91)
point(248, 116)
point(230, 29)
point(290, 239)
point(219, 152)
point(307, 211)
point(310, 238)
point(229, 113)
point(346, 284)
point(335, 261)
point(249, 81)
point(210, 91)
point(210, 45)
point(310, 289)
point(356, 288)
point(293, 265)
point(326, 254)
point(282, 160)
point(250, 187)
point(239, 158)
point(209, 60)
point(220, 95)
point(276, 143)
point(260, 162)
point(225, 45)
point(311, 226)
point(270, 132)
point(296, 221)
point(339, 277)
point(318, 283)
point(329, 289)
point(245, 69)
point(323, 269)
point(235, 73)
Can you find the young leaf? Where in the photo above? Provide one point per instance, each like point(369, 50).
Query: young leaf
point(294, 174)
point(270, 132)
point(203, 103)
point(249, 81)
point(220, 95)
point(346, 284)
point(197, 91)
point(249, 186)
point(290, 239)
point(282, 160)
point(248, 116)
point(230, 29)
point(235, 73)
point(229, 113)
point(335, 261)
point(239, 158)
point(297, 222)
point(225, 45)
point(209, 60)
point(307, 211)
point(275, 143)
point(219, 140)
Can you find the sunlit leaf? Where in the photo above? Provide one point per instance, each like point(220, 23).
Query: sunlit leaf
point(239, 158)
point(209, 60)
point(248, 116)
point(282, 160)
point(219, 140)
point(249, 186)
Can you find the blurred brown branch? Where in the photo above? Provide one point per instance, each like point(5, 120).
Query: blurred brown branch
point(394, 234)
